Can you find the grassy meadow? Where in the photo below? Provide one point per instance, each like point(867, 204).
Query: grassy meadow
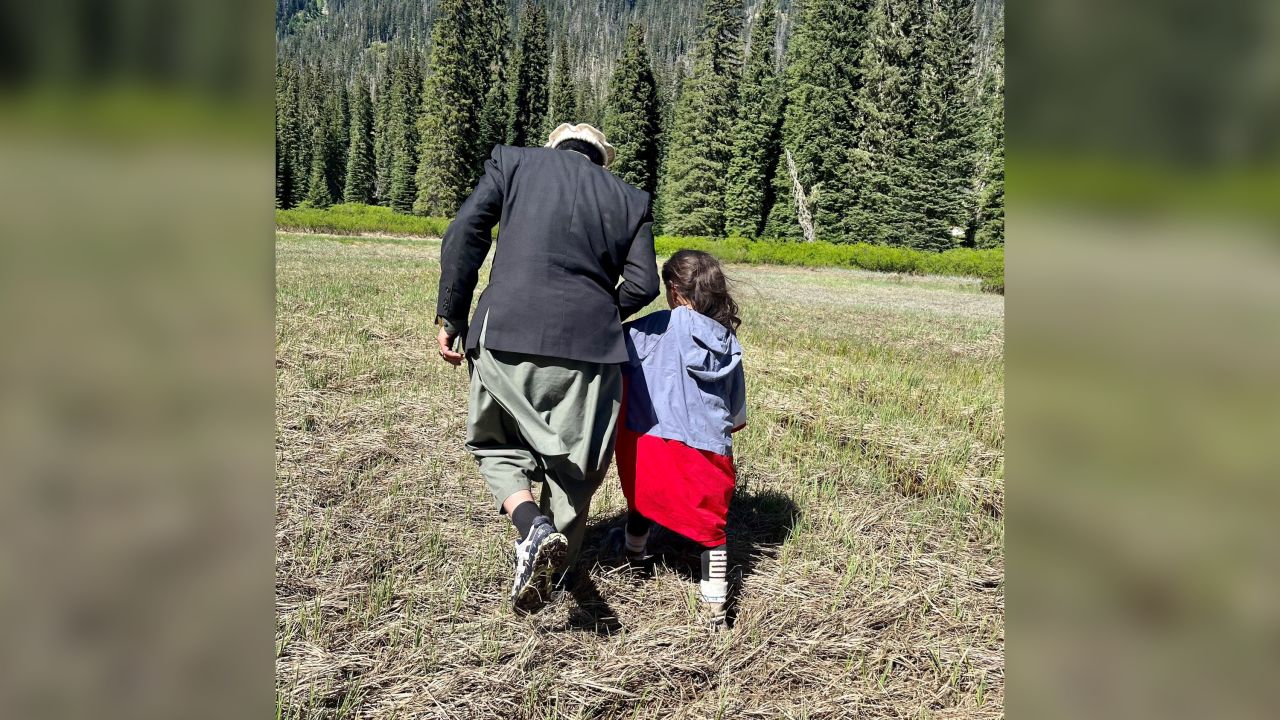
point(867, 531)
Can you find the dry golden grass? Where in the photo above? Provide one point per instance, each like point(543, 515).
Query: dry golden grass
point(867, 530)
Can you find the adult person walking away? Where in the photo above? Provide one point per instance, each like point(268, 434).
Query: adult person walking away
point(546, 343)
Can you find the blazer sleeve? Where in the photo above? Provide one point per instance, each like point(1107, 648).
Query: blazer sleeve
point(640, 272)
point(466, 244)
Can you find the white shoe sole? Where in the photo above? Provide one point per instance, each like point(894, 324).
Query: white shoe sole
point(548, 561)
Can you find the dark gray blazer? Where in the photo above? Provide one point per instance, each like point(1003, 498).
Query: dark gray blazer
point(569, 229)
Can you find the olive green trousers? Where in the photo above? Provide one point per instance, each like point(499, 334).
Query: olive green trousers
point(548, 420)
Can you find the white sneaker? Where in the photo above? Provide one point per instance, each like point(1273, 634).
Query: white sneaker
point(539, 558)
point(713, 603)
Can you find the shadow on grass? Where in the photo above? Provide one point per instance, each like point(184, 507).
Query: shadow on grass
point(758, 523)
point(593, 613)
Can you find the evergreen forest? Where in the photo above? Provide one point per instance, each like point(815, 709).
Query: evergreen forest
point(846, 121)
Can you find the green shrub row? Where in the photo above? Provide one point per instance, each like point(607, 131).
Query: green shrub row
point(352, 218)
point(985, 264)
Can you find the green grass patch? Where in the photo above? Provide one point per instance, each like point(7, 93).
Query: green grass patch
point(351, 219)
point(985, 264)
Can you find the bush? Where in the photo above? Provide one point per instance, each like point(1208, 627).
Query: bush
point(351, 218)
point(985, 264)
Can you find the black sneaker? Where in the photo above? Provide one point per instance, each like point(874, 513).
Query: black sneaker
point(539, 558)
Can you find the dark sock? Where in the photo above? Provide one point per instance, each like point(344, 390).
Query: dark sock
point(637, 524)
point(524, 516)
point(715, 563)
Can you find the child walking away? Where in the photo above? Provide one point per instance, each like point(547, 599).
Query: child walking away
point(685, 397)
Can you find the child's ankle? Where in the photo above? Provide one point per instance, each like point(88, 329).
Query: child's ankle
point(637, 543)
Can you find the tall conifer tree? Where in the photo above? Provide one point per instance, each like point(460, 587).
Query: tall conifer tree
point(282, 170)
point(406, 95)
point(358, 187)
point(822, 78)
point(990, 218)
point(448, 125)
point(529, 71)
point(885, 105)
point(564, 93)
point(590, 108)
point(668, 95)
point(338, 113)
point(291, 178)
point(757, 135)
point(308, 116)
point(318, 194)
point(493, 120)
point(631, 118)
point(939, 155)
point(382, 134)
point(698, 158)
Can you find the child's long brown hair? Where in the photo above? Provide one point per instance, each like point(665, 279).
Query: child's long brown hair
point(698, 277)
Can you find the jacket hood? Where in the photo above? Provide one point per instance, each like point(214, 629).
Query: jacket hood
point(711, 352)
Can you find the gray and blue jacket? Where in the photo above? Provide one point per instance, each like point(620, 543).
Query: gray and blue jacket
point(685, 380)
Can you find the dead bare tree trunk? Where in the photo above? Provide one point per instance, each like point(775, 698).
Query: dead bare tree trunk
point(802, 200)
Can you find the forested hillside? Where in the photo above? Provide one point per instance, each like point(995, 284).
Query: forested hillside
point(850, 121)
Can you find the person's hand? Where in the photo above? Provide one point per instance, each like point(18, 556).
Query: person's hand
point(446, 354)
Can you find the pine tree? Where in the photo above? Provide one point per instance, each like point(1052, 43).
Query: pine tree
point(306, 114)
point(282, 169)
point(631, 118)
point(757, 135)
point(382, 135)
point(884, 102)
point(782, 221)
point(697, 163)
point(338, 113)
point(590, 108)
point(358, 187)
point(939, 155)
point(564, 94)
point(990, 216)
point(822, 78)
point(493, 119)
point(529, 65)
point(459, 109)
point(318, 188)
point(405, 100)
point(668, 95)
point(445, 127)
point(314, 150)
point(492, 126)
point(291, 180)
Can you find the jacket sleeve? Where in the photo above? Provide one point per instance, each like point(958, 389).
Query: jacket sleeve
point(640, 273)
point(641, 335)
point(466, 244)
point(738, 400)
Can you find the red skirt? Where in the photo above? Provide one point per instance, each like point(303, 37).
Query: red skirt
point(681, 488)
